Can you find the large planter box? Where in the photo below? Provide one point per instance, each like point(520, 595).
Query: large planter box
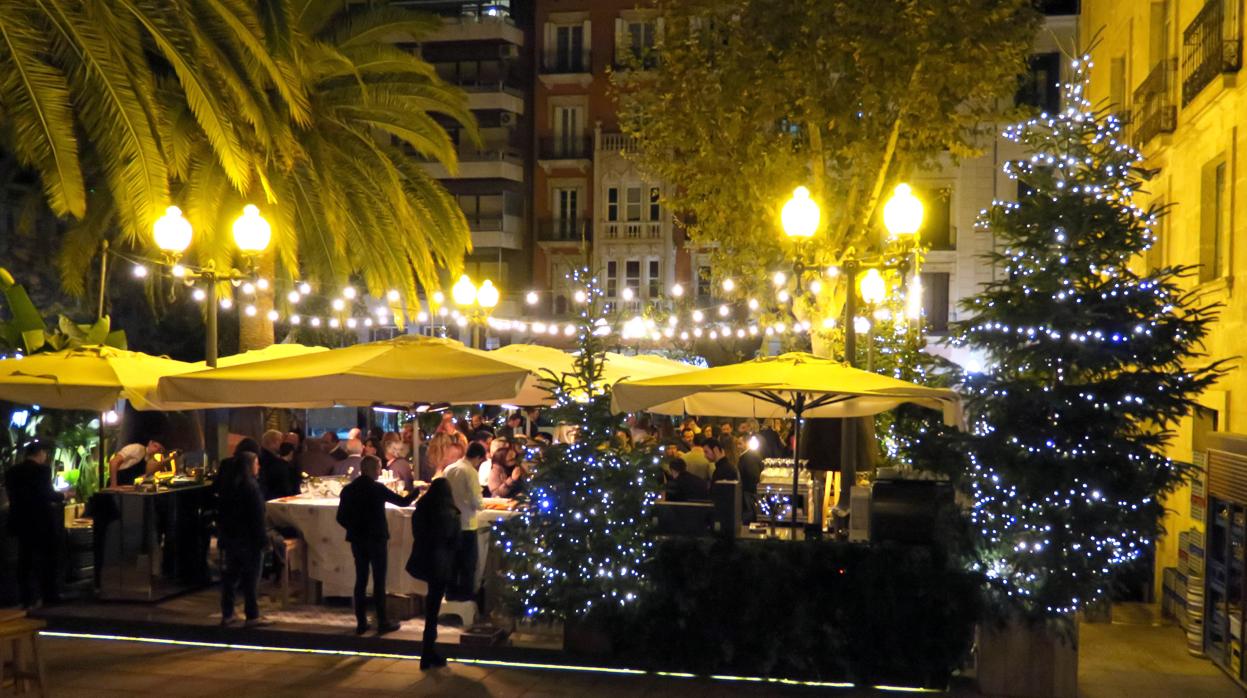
point(1024, 661)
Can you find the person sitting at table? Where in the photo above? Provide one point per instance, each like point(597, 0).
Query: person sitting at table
point(512, 426)
point(361, 511)
point(685, 486)
point(505, 474)
point(243, 536)
point(398, 465)
point(719, 451)
point(33, 515)
point(465, 485)
point(133, 462)
point(434, 539)
point(277, 478)
point(349, 466)
point(695, 458)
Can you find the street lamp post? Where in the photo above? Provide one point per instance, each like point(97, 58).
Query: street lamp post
point(478, 301)
point(173, 235)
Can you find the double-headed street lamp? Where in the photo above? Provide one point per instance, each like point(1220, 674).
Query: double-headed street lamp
point(173, 235)
point(476, 303)
point(902, 217)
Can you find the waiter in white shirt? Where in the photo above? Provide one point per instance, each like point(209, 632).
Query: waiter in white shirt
point(133, 462)
point(465, 486)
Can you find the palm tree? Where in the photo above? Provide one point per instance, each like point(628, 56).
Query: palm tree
point(298, 105)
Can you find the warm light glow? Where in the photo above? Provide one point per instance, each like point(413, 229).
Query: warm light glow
point(800, 215)
point(251, 232)
point(902, 215)
point(271, 315)
point(178, 271)
point(532, 298)
point(199, 294)
point(261, 283)
point(172, 231)
point(339, 304)
point(913, 298)
point(698, 316)
point(294, 297)
point(393, 295)
point(872, 287)
point(580, 296)
point(248, 288)
point(861, 325)
point(780, 278)
point(816, 287)
point(250, 311)
point(464, 291)
point(754, 443)
point(305, 288)
point(487, 296)
point(226, 303)
point(140, 271)
point(627, 294)
point(729, 285)
point(349, 293)
point(439, 297)
point(753, 303)
point(723, 311)
point(677, 290)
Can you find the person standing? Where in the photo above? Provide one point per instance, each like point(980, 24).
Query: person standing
point(466, 487)
point(33, 521)
point(350, 465)
point(435, 536)
point(242, 536)
point(277, 478)
point(133, 461)
point(361, 511)
point(719, 451)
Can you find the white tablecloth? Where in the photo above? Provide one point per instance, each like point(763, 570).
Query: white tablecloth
point(329, 555)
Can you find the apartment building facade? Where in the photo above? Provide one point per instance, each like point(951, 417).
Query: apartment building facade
point(1173, 67)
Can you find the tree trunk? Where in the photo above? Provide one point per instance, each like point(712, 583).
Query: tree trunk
point(256, 332)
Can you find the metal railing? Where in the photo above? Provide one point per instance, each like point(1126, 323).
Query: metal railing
point(565, 147)
point(1154, 110)
point(562, 62)
point(617, 142)
point(1211, 45)
point(564, 230)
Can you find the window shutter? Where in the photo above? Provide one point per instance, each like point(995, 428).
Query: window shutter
point(588, 55)
point(621, 42)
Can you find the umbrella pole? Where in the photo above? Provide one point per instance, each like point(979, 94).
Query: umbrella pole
point(798, 408)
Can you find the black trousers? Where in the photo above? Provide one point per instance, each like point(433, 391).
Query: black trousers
point(432, 608)
point(36, 569)
point(241, 570)
point(370, 553)
point(462, 585)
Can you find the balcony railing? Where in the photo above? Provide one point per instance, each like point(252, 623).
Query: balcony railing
point(561, 62)
point(1154, 110)
point(1211, 45)
point(564, 230)
point(632, 230)
point(565, 147)
point(617, 143)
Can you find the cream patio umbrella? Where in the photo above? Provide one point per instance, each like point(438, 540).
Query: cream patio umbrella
point(403, 371)
point(87, 378)
point(794, 385)
point(539, 359)
point(273, 351)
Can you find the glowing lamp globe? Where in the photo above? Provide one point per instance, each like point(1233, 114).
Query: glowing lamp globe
point(251, 232)
point(902, 215)
point(872, 287)
point(172, 231)
point(464, 291)
point(487, 295)
point(800, 215)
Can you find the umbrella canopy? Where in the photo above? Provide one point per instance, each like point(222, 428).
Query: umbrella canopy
point(538, 359)
point(400, 371)
point(773, 387)
point(87, 378)
point(272, 351)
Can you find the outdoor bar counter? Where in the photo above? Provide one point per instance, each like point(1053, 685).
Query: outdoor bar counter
point(151, 544)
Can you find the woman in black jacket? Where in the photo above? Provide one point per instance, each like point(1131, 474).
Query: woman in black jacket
point(242, 535)
point(434, 532)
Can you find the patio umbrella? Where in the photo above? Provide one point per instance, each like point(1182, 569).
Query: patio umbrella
point(400, 371)
point(539, 359)
point(86, 378)
point(793, 385)
point(272, 351)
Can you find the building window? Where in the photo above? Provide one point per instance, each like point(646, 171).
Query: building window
point(612, 278)
point(935, 302)
point(1041, 86)
point(569, 49)
point(937, 225)
point(1214, 221)
point(634, 43)
point(632, 276)
point(654, 278)
point(703, 280)
point(569, 141)
point(655, 209)
point(612, 204)
point(634, 204)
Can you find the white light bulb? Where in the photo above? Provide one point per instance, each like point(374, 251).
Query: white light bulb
point(677, 290)
point(315, 322)
point(349, 293)
point(729, 285)
point(580, 296)
point(753, 303)
point(199, 294)
point(140, 271)
point(422, 317)
point(261, 283)
point(724, 311)
point(248, 288)
point(227, 303)
point(178, 271)
point(627, 294)
point(295, 320)
point(271, 315)
point(294, 297)
point(531, 298)
point(393, 295)
point(783, 295)
point(780, 278)
point(250, 311)
point(816, 287)
point(698, 316)
point(350, 322)
point(305, 288)
point(334, 323)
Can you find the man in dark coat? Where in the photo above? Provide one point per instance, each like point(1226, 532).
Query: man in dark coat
point(685, 486)
point(34, 520)
point(278, 478)
point(361, 511)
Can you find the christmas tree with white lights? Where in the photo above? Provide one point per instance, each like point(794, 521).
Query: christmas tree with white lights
point(580, 541)
point(1089, 366)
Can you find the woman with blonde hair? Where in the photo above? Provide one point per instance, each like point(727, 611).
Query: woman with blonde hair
point(444, 449)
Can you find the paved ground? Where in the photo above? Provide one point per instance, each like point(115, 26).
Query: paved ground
point(1136, 657)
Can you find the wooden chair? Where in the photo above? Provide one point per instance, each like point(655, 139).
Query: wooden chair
point(295, 560)
point(15, 637)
